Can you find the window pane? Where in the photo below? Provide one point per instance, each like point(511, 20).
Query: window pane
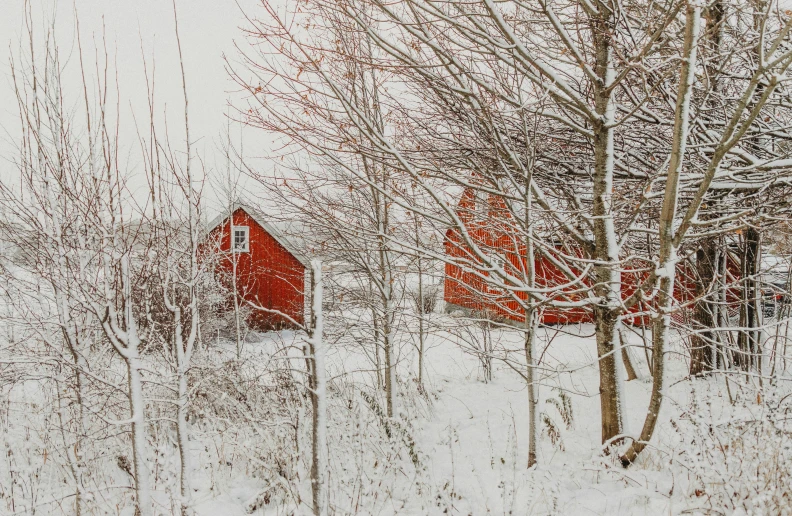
point(240, 239)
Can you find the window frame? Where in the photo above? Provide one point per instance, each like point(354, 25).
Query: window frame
point(234, 247)
point(481, 204)
point(499, 261)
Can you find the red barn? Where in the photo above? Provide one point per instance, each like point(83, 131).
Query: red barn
point(260, 260)
point(487, 222)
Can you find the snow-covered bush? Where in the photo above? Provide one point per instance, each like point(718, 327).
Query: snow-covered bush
point(741, 461)
point(431, 297)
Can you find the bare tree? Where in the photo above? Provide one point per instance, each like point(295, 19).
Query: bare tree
point(179, 268)
point(607, 127)
point(676, 221)
point(79, 189)
point(318, 385)
point(346, 204)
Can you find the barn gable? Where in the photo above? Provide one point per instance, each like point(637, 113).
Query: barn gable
point(280, 233)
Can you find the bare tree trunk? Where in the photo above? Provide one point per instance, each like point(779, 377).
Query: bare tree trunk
point(704, 343)
point(183, 357)
point(377, 334)
point(607, 269)
point(386, 292)
point(531, 322)
point(185, 347)
point(667, 261)
point(137, 408)
point(387, 350)
point(704, 339)
point(632, 374)
point(318, 390)
point(486, 348)
point(748, 336)
point(72, 450)
point(607, 349)
point(421, 307)
point(184, 445)
point(533, 413)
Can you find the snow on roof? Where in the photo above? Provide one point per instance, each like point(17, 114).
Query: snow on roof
point(773, 261)
point(774, 268)
point(289, 234)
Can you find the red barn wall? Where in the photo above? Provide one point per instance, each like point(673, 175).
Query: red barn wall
point(468, 290)
point(268, 275)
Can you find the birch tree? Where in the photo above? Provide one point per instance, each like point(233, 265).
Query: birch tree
point(317, 383)
point(344, 200)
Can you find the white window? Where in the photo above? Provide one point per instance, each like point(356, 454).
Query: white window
point(481, 203)
point(240, 239)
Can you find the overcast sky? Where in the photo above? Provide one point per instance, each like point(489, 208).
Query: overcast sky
point(208, 29)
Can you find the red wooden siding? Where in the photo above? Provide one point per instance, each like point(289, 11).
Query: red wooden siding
point(267, 275)
point(465, 288)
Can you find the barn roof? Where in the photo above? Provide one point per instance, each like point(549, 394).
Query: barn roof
point(289, 234)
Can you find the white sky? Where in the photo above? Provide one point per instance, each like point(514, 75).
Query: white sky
point(208, 29)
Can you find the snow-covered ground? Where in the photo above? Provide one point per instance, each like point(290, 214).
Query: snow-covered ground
point(459, 446)
point(471, 441)
point(476, 439)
